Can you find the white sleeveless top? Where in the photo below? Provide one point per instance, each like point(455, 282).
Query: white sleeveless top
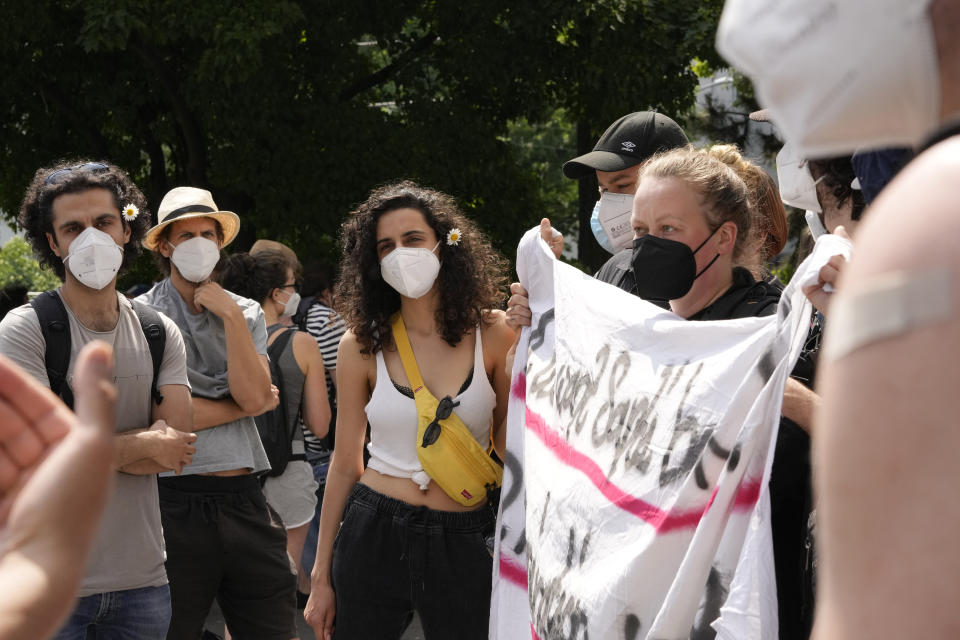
point(393, 420)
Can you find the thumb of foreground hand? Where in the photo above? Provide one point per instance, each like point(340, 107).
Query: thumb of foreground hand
point(94, 391)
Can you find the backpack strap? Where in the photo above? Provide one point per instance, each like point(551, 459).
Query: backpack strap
point(275, 348)
point(303, 309)
point(55, 326)
point(274, 351)
point(156, 336)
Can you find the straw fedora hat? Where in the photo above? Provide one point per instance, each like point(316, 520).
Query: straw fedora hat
point(189, 202)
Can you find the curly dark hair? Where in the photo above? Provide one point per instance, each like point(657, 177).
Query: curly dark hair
point(472, 277)
point(254, 276)
point(838, 175)
point(75, 176)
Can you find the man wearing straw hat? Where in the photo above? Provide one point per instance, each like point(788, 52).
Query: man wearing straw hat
point(223, 541)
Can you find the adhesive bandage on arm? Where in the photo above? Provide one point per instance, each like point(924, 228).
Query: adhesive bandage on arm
point(890, 305)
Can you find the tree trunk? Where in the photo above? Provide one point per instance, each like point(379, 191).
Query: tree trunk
point(590, 252)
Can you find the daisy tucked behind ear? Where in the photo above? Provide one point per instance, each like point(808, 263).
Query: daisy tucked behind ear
point(130, 212)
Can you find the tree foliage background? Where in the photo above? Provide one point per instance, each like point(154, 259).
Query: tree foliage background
point(18, 267)
point(290, 112)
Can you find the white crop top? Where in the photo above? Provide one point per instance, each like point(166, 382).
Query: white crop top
point(393, 420)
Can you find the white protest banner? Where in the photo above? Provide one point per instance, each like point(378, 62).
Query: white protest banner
point(638, 453)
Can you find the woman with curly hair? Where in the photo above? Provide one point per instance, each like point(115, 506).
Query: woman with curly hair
point(404, 544)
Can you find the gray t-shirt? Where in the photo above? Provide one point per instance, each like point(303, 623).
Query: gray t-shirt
point(128, 552)
point(231, 445)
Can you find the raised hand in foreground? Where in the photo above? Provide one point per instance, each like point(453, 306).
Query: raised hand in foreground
point(55, 476)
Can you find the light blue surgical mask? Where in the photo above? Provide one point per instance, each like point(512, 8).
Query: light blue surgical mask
point(598, 231)
point(610, 221)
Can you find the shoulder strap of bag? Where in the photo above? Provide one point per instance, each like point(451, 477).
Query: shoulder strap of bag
point(406, 356)
point(274, 350)
point(55, 326)
point(156, 335)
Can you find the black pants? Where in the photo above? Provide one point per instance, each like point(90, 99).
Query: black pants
point(391, 558)
point(224, 542)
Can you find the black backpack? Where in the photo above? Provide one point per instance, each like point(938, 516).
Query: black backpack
point(275, 427)
point(55, 326)
point(300, 317)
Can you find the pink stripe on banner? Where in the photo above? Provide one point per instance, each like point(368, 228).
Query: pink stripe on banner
point(662, 521)
point(747, 495)
point(513, 573)
point(519, 389)
point(533, 633)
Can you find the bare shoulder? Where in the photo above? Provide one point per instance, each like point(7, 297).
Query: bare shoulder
point(304, 343)
point(306, 352)
point(495, 331)
point(355, 369)
point(351, 352)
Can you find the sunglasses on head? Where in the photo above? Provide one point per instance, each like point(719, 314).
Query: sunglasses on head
point(432, 432)
point(60, 174)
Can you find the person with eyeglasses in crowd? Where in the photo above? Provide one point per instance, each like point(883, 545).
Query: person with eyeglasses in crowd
point(268, 276)
point(85, 222)
point(405, 545)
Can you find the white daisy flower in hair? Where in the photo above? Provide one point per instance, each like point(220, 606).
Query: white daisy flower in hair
point(453, 237)
point(130, 212)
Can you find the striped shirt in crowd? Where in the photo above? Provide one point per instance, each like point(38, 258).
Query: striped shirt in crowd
point(327, 327)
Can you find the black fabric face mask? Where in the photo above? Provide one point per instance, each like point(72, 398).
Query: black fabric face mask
point(665, 269)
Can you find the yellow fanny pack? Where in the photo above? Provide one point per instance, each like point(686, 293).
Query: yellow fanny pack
point(446, 448)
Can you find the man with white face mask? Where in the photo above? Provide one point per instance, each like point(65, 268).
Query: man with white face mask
point(615, 160)
point(886, 445)
point(223, 541)
point(85, 222)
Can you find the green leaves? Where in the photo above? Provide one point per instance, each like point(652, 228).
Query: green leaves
point(18, 266)
point(291, 111)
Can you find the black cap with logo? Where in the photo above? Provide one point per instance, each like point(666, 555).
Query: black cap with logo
point(628, 142)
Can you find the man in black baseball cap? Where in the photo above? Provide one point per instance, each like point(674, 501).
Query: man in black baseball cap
point(615, 159)
point(626, 143)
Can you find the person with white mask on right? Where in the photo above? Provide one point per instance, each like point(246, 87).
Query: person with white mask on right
point(850, 76)
point(223, 541)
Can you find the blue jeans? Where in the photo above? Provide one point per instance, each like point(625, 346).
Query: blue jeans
point(133, 614)
point(320, 468)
